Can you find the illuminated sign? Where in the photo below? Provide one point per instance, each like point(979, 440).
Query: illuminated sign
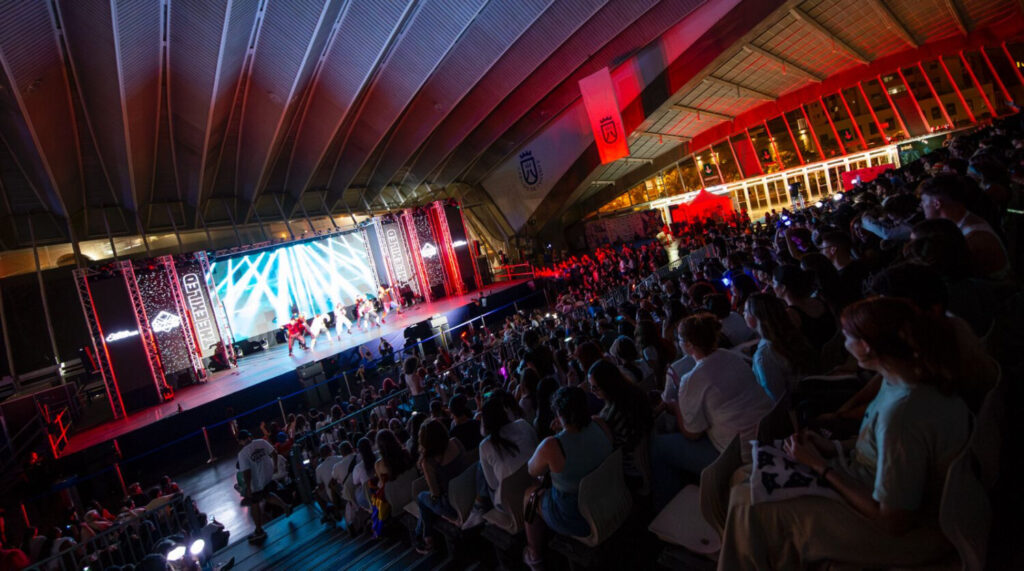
point(458, 243)
point(428, 251)
point(118, 335)
point(165, 321)
point(201, 317)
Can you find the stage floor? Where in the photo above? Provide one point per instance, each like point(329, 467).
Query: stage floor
point(260, 367)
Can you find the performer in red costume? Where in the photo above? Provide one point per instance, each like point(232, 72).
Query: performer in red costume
point(297, 331)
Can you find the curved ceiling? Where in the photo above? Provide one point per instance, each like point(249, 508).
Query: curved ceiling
point(121, 116)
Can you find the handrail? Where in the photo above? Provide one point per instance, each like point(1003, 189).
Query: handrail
point(202, 432)
point(125, 541)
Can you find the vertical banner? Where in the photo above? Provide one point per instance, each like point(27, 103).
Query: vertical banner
point(460, 245)
point(122, 341)
point(396, 253)
point(602, 106)
point(429, 252)
point(197, 303)
point(158, 299)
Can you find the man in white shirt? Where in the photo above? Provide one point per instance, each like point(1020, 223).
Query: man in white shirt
point(256, 461)
point(324, 474)
point(341, 474)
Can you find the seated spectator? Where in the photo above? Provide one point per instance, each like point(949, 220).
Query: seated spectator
point(717, 400)
point(168, 487)
point(13, 558)
point(783, 354)
point(654, 350)
point(892, 481)
point(838, 248)
point(734, 328)
point(393, 459)
point(636, 370)
point(812, 316)
point(527, 392)
point(627, 413)
point(464, 427)
point(946, 197)
point(577, 450)
point(441, 459)
point(363, 475)
point(341, 473)
point(505, 449)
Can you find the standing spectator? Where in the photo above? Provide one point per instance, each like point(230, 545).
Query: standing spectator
point(414, 380)
point(256, 462)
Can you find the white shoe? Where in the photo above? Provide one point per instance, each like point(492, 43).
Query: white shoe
point(475, 519)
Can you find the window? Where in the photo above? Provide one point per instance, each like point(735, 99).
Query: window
point(689, 175)
point(936, 113)
point(783, 143)
point(822, 129)
point(988, 84)
point(766, 151)
point(726, 162)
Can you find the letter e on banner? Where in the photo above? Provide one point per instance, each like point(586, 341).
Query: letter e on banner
point(605, 118)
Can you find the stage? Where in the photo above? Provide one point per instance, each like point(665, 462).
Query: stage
point(274, 363)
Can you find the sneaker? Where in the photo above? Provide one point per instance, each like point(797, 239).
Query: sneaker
point(424, 547)
point(258, 536)
point(475, 518)
point(533, 564)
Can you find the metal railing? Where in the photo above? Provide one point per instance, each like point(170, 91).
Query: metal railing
point(204, 445)
point(128, 541)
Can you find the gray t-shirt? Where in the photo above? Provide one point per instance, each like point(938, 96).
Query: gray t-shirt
point(257, 457)
point(909, 436)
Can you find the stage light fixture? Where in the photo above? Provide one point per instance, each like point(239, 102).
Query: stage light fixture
point(197, 547)
point(837, 196)
point(819, 204)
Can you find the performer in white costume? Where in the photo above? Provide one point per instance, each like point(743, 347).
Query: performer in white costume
point(368, 314)
point(341, 319)
point(318, 326)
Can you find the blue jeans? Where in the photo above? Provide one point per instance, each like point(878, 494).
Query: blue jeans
point(673, 456)
point(430, 511)
point(421, 403)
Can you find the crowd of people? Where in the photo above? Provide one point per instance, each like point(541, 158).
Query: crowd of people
point(903, 286)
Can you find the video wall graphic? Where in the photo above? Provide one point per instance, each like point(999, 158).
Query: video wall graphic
point(261, 290)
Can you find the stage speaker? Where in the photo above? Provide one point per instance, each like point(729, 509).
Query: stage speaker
point(421, 330)
point(485, 271)
point(311, 375)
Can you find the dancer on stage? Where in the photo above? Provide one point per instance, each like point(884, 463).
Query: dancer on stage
point(388, 301)
point(341, 319)
point(317, 327)
point(297, 330)
point(368, 314)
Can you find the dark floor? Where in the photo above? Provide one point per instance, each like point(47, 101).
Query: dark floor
point(302, 542)
point(212, 488)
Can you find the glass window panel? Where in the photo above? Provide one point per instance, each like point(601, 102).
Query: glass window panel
point(919, 88)
point(672, 184)
point(766, 152)
point(758, 196)
point(972, 96)
point(776, 192)
point(740, 199)
point(821, 129)
point(844, 126)
point(1006, 73)
point(638, 194)
point(944, 88)
point(690, 176)
point(818, 187)
point(862, 115)
point(744, 150)
point(783, 143)
point(905, 104)
point(880, 104)
point(835, 177)
point(802, 133)
point(726, 162)
point(708, 171)
point(987, 82)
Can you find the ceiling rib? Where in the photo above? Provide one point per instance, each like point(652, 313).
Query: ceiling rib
point(741, 90)
point(667, 136)
point(787, 66)
point(957, 13)
point(894, 23)
point(806, 18)
point(701, 112)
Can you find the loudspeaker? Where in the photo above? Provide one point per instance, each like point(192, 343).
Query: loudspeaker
point(311, 376)
point(485, 271)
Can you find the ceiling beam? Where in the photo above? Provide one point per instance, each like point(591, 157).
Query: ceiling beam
point(787, 66)
point(816, 26)
point(741, 90)
point(957, 13)
point(602, 182)
point(635, 160)
point(711, 114)
point(894, 23)
point(679, 138)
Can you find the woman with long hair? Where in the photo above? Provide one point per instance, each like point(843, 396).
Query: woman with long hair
point(393, 460)
point(506, 447)
point(783, 354)
point(441, 459)
point(654, 349)
point(892, 476)
point(812, 315)
point(363, 474)
point(627, 412)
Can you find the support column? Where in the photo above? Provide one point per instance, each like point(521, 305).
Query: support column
point(7, 344)
point(42, 294)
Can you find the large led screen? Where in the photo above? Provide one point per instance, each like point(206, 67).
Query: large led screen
point(261, 290)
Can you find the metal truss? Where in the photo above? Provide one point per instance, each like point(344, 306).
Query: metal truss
point(220, 315)
point(99, 346)
point(187, 331)
point(145, 331)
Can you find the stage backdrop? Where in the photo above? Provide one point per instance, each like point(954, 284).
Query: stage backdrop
point(260, 290)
